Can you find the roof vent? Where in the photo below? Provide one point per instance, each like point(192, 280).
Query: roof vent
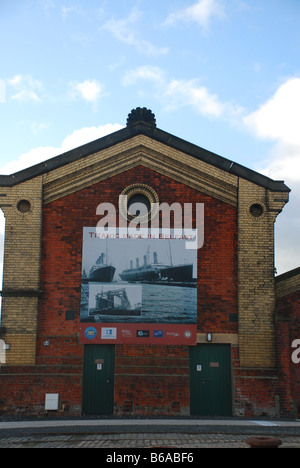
point(141, 114)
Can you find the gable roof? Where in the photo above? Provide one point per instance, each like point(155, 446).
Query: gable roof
point(139, 123)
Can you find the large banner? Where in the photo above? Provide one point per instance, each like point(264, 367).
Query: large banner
point(138, 287)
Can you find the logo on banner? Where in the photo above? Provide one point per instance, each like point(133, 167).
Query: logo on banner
point(158, 333)
point(126, 333)
point(108, 333)
point(173, 333)
point(90, 333)
point(142, 333)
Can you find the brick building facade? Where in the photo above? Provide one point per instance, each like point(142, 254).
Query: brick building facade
point(239, 360)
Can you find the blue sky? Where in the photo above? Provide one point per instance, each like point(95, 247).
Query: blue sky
point(223, 74)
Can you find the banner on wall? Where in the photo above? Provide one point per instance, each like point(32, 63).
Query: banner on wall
point(138, 287)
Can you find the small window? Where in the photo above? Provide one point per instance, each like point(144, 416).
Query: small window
point(256, 210)
point(24, 206)
point(140, 199)
point(142, 194)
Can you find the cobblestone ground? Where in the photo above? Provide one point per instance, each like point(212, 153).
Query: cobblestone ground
point(142, 440)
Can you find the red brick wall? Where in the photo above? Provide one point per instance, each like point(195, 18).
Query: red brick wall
point(137, 390)
point(152, 380)
point(256, 392)
point(149, 380)
point(23, 389)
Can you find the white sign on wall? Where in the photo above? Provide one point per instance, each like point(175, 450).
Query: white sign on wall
point(2, 352)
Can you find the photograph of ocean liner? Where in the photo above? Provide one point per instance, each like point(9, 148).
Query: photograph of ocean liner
point(138, 280)
point(101, 272)
point(181, 274)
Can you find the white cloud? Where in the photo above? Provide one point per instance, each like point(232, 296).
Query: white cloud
point(2, 92)
point(278, 120)
point(26, 88)
point(174, 93)
point(187, 93)
point(283, 163)
point(26, 96)
point(16, 80)
point(89, 90)
point(38, 127)
point(25, 81)
point(66, 11)
point(201, 12)
point(123, 30)
point(87, 134)
point(30, 158)
point(77, 138)
point(47, 4)
point(147, 72)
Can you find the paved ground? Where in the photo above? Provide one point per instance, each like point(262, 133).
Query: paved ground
point(144, 434)
point(135, 441)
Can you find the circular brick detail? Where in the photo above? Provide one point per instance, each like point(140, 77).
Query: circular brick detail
point(257, 210)
point(140, 191)
point(24, 206)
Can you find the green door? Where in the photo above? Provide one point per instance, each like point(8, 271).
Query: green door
point(210, 380)
point(98, 379)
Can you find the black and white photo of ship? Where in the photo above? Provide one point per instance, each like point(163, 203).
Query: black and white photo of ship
point(158, 272)
point(100, 272)
point(144, 280)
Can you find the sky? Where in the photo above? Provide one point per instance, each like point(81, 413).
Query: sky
point(222, 74)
